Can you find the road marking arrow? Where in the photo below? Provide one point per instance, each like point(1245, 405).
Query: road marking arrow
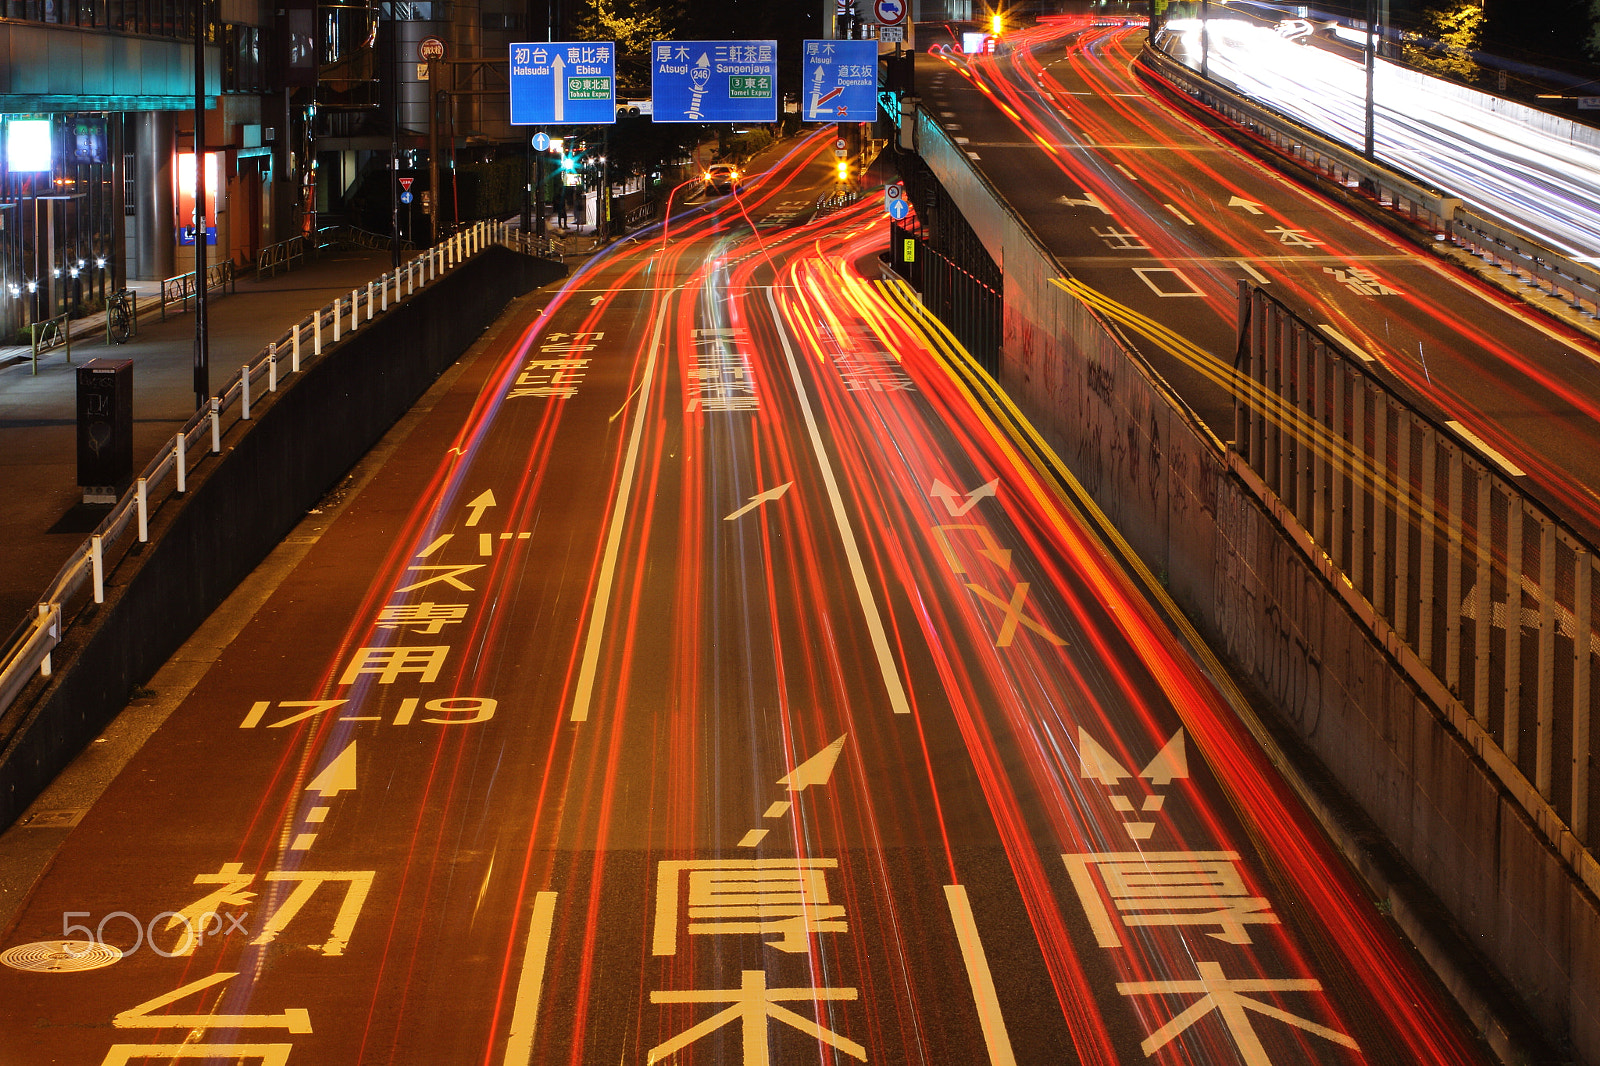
point(948, 496)
point(597, 300)
point(1170, 762)
point(338, 776)
point(760, 498)
point(1097, 762)
point(1239, 201)
point(815, 770)
point(484, 501)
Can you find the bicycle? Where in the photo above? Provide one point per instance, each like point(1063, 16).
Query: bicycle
point(119, 316)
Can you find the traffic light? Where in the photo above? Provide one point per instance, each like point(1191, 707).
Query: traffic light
point(842, 171)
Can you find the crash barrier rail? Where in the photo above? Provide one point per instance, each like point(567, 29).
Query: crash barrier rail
point(1485, 598)
point(280, 256)
point(82, 581)
point(50, 334)
point(1541, 269)
point(179, 289)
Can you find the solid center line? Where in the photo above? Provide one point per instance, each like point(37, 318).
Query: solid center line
point(979, 977)
point(525, 1015)
point(619, 515)
point(858, 570)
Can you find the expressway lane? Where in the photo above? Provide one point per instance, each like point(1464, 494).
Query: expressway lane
point(1146, 207)
point(715, 674)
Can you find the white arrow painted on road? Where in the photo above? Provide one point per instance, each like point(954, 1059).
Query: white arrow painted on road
point(1170, 762)
point(760, 498)
point(1098, 763)
point(948, 496)
point(338, 776)
point(597, 300)
point(484, 501)
point(815, 770)
point(1239, 201)
point(560, 67)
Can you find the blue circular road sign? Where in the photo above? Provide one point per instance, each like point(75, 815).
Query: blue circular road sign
point(898, 208)
point(541, 142)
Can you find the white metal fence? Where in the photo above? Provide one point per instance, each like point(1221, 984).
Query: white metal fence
point(81, 582)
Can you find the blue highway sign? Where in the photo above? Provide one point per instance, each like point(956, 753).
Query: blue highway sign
point(558, 83)
point(714, 81)
point(841, 81)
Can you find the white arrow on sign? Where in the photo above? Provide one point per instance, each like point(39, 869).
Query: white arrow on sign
point(815, 770)
point(560, 67)
point(760, 498)
point(1248, 205)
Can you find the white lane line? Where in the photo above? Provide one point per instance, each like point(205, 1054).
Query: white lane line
point(1185, 219)
point(858, 571)
point(525, 1015)
point(619, 515)
point(1487, 452)
point(983, 993)
point(1130, 175)
point(1246, 266)
point(1349, 345)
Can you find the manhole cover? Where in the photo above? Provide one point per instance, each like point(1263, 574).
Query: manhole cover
point(60, 956)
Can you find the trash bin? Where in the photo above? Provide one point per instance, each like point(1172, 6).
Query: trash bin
point(105, 429)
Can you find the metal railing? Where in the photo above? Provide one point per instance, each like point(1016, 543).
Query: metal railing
point(280, 256)
point(180, 289)
point(50, 334)
point(82, 580)
point(1486, 599)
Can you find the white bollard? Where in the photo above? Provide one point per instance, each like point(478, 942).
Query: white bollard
point(383, 288)
point(294, 356)
point(316, 333)
point(143, 490)
point(216, 425)
point(355, 309)
point(98, 565)
point(338, 308)
point(44, 664)
point(272, 366)
point(244, 392)
point(180, 448)
point(369, 302)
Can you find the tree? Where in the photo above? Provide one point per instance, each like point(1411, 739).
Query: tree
point(632, 27)
point(1448, 39)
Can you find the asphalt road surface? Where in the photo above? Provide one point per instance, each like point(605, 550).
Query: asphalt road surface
point(714, 675)
point(1159, 220)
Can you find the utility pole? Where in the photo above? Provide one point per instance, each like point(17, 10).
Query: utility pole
point(1372, 67)
point(394, 140)
point(202, 353)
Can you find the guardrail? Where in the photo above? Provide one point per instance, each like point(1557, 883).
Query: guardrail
point(82, 580)
point(280, 256)
point(1487, 238)
point(180, 288)
point(532, 244)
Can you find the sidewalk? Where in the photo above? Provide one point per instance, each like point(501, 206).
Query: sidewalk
point(43, 519)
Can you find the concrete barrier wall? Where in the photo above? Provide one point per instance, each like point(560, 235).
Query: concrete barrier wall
point(240, 505)
point(1164, 481)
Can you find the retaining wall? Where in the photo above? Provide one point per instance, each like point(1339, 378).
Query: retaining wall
point(243, 502)
point(1163, 479)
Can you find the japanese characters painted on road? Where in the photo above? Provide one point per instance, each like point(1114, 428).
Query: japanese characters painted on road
point(841, 81)
point(714, 81)
point(568, 83)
